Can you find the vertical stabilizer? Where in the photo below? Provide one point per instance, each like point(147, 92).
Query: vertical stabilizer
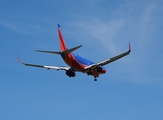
point(61, 39)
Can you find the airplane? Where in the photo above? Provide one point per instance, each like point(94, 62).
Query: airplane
point(75, 62)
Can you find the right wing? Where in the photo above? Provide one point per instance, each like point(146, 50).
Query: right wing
point(102, 63)
point(45, 66)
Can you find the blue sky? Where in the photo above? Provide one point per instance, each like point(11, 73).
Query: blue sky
point(132, 88)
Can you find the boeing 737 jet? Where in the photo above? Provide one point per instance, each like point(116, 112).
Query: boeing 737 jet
point(75, 62)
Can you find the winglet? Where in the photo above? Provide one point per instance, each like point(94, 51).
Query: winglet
point(129, 48)
point(19, 60)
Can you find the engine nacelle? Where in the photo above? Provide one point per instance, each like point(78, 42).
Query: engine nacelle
point(70, 73)
point(99, 69)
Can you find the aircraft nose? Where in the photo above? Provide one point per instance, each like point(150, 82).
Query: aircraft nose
point(103, 71)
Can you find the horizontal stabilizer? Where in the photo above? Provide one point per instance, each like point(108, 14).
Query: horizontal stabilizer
point(51, 52)
point(72, 49)
point(66, 51)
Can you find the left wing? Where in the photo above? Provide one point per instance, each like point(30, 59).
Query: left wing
point(102, 63)
point(45, 66)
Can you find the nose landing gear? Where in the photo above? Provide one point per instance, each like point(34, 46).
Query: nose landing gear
point(95, 78)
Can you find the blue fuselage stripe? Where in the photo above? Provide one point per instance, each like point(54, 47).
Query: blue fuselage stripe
point(82, 61)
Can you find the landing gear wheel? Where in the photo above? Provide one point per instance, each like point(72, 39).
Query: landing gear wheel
point(95, 78)
point(89, 73)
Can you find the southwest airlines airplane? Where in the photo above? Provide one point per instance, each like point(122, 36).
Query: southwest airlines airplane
point(75, 62)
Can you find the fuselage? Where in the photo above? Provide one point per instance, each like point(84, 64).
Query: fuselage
point(78, 63)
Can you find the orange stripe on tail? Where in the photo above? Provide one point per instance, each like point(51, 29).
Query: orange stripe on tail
point(61, 40)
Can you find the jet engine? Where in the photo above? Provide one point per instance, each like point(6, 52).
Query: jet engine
point(99, 69)
point(70, 73)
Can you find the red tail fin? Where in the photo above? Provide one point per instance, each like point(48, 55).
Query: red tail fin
point(61, 40)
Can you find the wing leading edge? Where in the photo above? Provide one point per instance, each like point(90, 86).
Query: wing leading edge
point(44, 66)
point(102, 63)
